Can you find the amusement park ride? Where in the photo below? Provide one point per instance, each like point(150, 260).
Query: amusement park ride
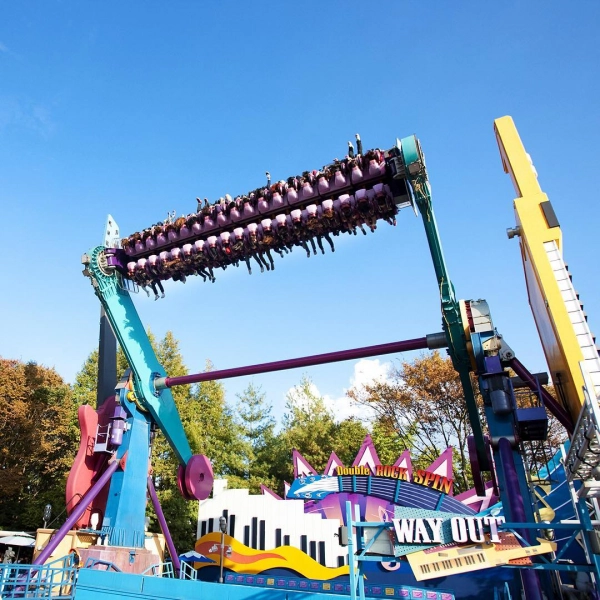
point(345, 197)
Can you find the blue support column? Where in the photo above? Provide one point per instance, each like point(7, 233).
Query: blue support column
point(125, 516)
point(351, 562)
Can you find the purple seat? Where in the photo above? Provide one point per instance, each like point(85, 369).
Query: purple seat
point(277, 200)
point(238, 235)
point(296, 216)
point(196, 228)
point(161, 239)
point(267, 224)
point(346, 200)
point(374, 164)
point(281, 220)
point(291, 196)
point(139, 246)
point(175, 254)
point(327, 207)
point(376, 168)
point(184, 232)
point(339, 181)
point(346, 205)
point(198, 246)
point(322, 184)
point(222, 219)
point(163, 258)
point(208, 224)
point(186, 250)
point(131, 266)
point(150, 243)
point(173, 235)
point(252, 229)
point(235, 214)
point(263, 204)
point(362, 196)
point(225, 243)
point(211, 242)
point(153, 266)
point(356, 173)
point(312, 217)
point(307, 192)
point(311, 212)
point(382, 190)
point(383, 200)
point(249, 210)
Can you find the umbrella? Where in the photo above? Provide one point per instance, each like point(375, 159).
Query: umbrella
point(18, 540)
point(193, 556)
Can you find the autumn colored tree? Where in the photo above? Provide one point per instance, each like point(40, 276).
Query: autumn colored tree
point(422, 403)
point(38, 441)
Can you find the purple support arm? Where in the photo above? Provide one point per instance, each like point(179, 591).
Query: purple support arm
point(293, 363)
point(553, 406)
point(76, 514)
point(163, 526)
point(531, 583)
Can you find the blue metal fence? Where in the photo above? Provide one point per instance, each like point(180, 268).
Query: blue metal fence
point(56, 579)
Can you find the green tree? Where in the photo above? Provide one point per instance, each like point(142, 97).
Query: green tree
point(348, 436)
point(209, 425)
point(257, 429)
point(180, 514)
point(388, 443)
point(86, 381)
point(310, 427)
point(210, 429)
point(37, 442)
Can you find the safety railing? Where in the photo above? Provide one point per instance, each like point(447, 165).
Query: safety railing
point(53, 580)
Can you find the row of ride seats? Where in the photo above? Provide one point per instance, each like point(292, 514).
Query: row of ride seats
point(281, 233)
point(279, 197)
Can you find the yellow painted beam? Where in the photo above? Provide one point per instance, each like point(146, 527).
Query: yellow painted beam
point(556, 331)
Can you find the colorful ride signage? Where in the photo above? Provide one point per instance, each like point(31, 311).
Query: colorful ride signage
point(420, 477)
point(464, 530)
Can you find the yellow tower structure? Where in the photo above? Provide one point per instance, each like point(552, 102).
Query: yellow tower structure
point(562, 325)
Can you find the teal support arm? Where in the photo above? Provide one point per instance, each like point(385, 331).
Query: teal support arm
point(134, 341)
point(452, 322)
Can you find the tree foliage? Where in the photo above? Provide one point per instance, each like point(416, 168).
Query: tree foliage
point(420, 407)
point(423, 404)
point(310, 427)
point(207, 421)
point(257, 428)
point(37, 442)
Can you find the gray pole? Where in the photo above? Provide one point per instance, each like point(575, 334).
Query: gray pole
point(107, 361)
point(223, 528)
point(107, 343)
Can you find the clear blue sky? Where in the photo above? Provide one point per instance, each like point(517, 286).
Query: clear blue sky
point(135, 108)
